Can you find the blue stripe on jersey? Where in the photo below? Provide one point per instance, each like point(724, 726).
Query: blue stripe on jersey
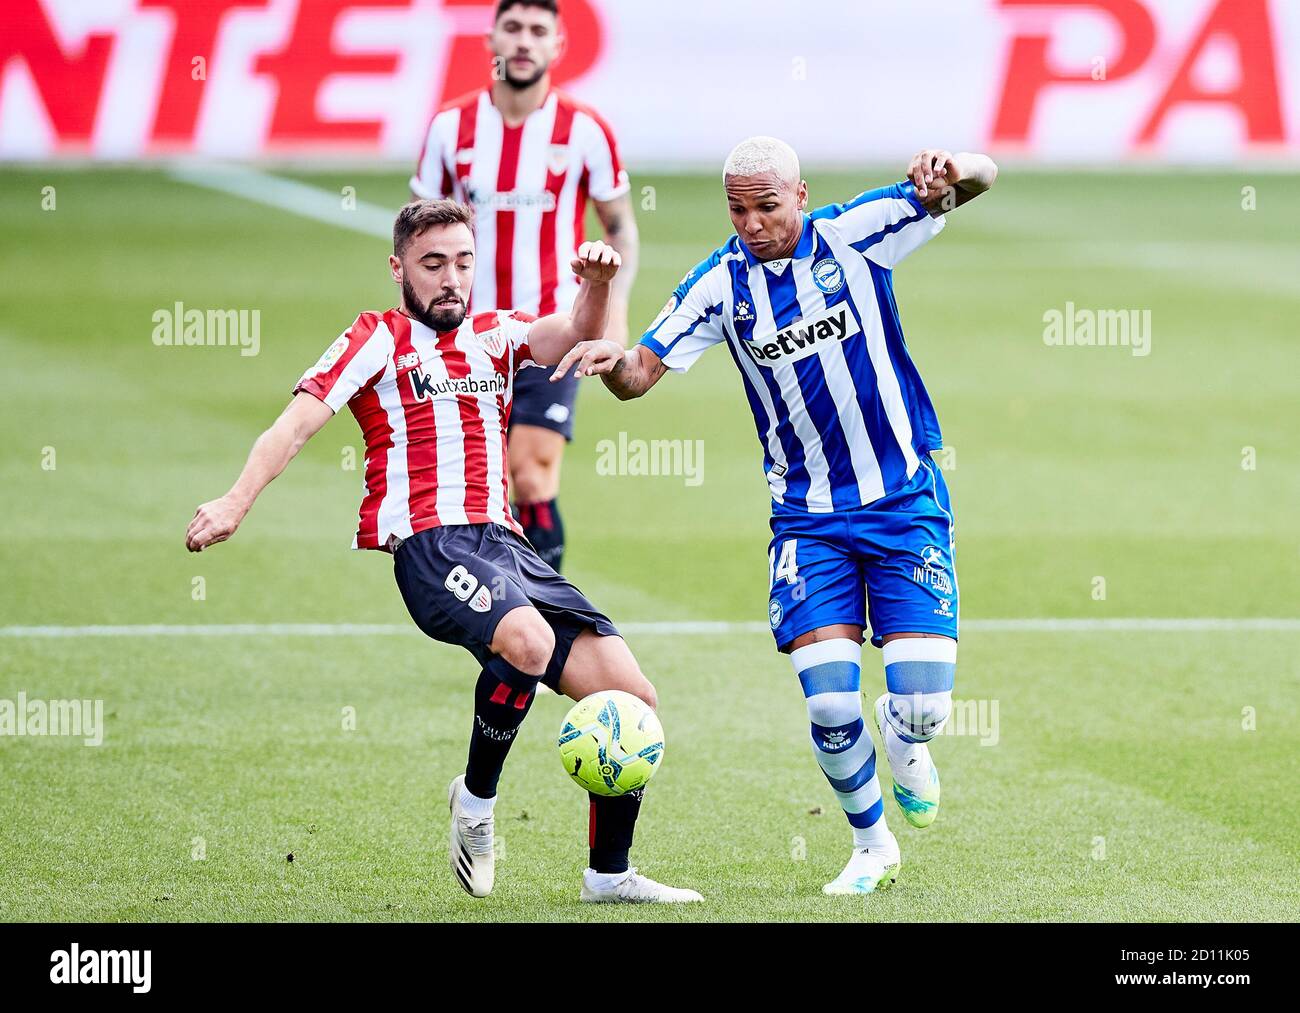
point(920, 409)
point(796, 477)
point(662, 350)
point(811, 377)
point(895, 191)
point(884, 444)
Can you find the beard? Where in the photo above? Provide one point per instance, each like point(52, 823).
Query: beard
point(437, 318)
point(521, 83)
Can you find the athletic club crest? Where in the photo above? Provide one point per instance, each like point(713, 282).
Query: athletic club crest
point(494, 341)
point(557, 159)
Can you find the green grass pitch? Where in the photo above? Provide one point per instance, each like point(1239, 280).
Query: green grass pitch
point(1136, 774)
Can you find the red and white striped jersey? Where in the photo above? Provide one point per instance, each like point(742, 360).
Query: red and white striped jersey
point(529, 187)
point(433, 408)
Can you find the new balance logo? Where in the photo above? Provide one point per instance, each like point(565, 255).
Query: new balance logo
point(804, 337)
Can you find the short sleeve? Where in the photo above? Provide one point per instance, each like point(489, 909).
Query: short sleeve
point(516, 326)
point(690, 322)
point(432, 178)
point(884, 225)
point(606, 177)
point(353, 362)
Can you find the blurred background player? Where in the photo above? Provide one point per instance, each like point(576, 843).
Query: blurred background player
point(528, 158)
point(430, 388)
point(805, 305)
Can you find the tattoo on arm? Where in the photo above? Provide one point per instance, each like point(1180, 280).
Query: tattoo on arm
point(632, 377)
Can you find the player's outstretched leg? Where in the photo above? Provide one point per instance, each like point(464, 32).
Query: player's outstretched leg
point(830, 673)
point(502, 697)
point(919, 674)
point(598, 663)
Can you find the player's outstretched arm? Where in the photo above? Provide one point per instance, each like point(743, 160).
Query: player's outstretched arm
point(636, 371)
point(565, 339)
point(945, 181)
point(217, 520)
point(621, 233)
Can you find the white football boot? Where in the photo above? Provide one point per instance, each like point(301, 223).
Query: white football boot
point(916, 780)
point(633, 888)
point(869, 870)
point(473, 859)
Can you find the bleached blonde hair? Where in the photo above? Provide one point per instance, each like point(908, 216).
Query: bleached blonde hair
point(763, 154)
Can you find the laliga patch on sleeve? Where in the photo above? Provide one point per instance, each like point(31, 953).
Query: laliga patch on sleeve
point(332, 355)
point(669, 306)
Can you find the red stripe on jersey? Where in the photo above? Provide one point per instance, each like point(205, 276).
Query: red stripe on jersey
point(580, 211)
point(471, 422)
point(560, 134)
point(320, 384)
point(378, 436)
point(421, 436)
point(615, 162)
point(465, 128)
point(507, 173)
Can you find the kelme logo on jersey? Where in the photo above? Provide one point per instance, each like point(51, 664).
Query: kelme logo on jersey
point(805, 337)
point(828, 276)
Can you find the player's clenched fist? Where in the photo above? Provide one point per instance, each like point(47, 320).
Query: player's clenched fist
point(933, 169)
point(590, 357)
point(213, 522)
point(596, 262)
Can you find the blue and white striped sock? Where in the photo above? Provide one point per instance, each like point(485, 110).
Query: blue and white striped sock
point(919, 674)
point(830, 673)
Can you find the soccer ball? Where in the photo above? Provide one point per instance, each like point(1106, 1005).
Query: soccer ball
point(611, 742)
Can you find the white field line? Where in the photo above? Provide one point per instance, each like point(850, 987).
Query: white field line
point(289, 195)
point(1135, 625)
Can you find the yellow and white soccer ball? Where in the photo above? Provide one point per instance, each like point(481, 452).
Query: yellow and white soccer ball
point(611, 742)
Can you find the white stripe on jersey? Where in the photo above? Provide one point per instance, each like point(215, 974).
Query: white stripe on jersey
point(395, 508)
point(450, 499)
point(719, 279)
point(819, 472)
point(488, 130)
point(530, 177)
point(493, 424)
point(839, 381)
point(858, 278)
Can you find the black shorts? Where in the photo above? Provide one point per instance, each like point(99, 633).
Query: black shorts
point(538, 402)
point(459, 580)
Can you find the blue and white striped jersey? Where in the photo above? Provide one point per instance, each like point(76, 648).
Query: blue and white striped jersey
point(839, 406)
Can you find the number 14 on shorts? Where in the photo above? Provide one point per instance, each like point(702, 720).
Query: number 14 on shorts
point(784, 567)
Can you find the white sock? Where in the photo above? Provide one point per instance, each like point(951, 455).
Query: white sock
point(604, 880)
point(472, 805)
point(909, 762)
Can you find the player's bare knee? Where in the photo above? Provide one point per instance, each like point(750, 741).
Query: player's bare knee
point(526, 642)
point(534, 480)
point(645, 690)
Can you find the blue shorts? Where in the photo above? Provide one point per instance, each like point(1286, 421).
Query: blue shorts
point(538, 402)
point(888, 564)
point(458, 581)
